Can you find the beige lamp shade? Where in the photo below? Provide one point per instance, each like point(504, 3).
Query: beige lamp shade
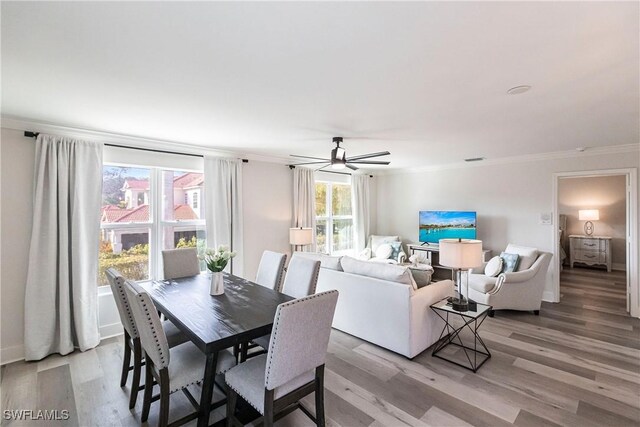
point(462, 254)
point(300, 236)
point(589, 215)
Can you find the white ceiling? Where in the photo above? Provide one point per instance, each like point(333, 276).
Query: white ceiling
point(426, 81)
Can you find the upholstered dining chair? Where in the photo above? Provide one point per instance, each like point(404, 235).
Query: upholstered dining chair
point(175, 368)
point(274, 383)
point(131, 336)
point(270, 269)
point(179, 263)
point(300, 281)
point(302, 277)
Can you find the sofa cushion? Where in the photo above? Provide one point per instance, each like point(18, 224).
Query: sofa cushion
point(527, 255)
point(482, 283)
point(326, 261)
point(384, 251)
point(493, 267)
point(377, 270)
point(511, 262)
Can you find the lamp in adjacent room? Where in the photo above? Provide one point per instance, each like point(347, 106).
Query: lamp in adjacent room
point(588, 215)
point(461, 256)
point(300, 236)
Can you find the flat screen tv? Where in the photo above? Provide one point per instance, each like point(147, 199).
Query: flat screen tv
point(436, 225)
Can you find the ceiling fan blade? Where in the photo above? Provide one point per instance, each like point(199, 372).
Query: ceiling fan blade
point(368, 162)
point(307, 157)
point(368, 156)
point(311, 163)
point(353, 168)
point(325, 166)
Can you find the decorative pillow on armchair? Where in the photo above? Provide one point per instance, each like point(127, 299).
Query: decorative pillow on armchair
point(396, 248)
point(384, 251)
point(510, 262)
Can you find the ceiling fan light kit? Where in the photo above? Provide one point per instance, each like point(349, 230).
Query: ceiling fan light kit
point(339, 159)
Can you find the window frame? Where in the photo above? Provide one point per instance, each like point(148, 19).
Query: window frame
point(329, 217)
point(156, 223)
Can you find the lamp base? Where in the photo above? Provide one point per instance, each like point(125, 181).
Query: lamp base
point(588, 228)
point(460, 304)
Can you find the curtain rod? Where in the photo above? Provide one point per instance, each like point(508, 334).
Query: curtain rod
point(30, 134)
point(337, 173)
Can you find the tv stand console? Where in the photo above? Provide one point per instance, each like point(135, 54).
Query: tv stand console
point(433, 253)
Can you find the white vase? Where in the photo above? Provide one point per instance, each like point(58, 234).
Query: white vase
point(217, 283)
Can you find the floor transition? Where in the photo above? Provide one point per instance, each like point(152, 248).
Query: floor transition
point(577, 364)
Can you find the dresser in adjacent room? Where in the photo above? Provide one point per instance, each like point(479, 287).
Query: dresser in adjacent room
point(590, 250)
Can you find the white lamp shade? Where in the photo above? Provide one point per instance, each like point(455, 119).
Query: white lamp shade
point(462, 254)
point(300, 236)
point(589, 215)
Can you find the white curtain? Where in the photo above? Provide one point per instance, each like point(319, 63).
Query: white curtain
point(304, 203)
point(360, 207)
point(223, 207)
point(61, 306)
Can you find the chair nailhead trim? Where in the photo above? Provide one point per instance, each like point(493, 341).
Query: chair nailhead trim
point(274, 333)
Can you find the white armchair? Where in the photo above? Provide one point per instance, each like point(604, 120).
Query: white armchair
point(374, 251)
point(519, 290)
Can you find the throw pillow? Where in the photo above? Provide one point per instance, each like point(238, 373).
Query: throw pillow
point(493, 267)
point(527, 255)
point(384, 251)
point(396, 248)
point(510, 263)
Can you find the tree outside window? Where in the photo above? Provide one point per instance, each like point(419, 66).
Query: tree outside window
point(334, 216)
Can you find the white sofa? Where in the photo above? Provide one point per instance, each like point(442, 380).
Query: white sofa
point(381, 304)
point(371, 252)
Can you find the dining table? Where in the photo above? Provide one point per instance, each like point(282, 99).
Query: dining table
point(244, 311)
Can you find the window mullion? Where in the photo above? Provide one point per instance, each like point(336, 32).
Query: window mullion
point(156, 237)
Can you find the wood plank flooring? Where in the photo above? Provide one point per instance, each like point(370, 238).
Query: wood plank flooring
point(577, 364)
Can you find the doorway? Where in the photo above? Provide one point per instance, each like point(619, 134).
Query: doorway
point(595, 240)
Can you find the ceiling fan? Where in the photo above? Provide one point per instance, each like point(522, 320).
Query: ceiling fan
point(339, 159)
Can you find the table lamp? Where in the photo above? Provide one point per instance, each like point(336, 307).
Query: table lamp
point(461, 255)
point(588, 215)
point(300, 236)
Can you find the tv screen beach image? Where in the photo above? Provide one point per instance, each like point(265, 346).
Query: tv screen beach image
point(436, 225)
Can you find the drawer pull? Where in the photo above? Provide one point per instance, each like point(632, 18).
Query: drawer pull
point(589, 256)
point(589, 244)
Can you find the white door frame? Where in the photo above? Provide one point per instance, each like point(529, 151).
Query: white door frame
point(631, 175)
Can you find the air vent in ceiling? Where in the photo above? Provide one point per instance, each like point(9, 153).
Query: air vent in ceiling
point(474, 159)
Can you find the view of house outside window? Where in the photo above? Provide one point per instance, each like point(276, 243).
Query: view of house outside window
point(135, 216)
point(334, 217)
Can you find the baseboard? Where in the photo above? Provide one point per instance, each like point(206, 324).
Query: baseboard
point(11, 354)
point(547, 296)
point(112, 330)
point(618, 266)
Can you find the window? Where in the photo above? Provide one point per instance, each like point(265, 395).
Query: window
point(334, 217)
point(141, 215)
point(194, 197)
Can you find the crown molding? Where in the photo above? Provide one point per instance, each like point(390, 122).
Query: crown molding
point(595, 151)
point(22, 124)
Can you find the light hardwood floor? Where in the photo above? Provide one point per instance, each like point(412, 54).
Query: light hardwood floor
point(577, 364)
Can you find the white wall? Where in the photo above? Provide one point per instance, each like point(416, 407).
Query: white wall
point(267, 198)
point(608, 195)
point(17, 155)
point(267, 203)
point(507, 197)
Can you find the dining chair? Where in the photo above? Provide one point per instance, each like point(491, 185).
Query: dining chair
point(300, 281)
point(270, 269)
point(174, 368)
point(131, 336)
point(274, 383)
point(302, 277)
point(179, 263)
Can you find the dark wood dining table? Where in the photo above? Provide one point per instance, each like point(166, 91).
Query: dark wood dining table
point(213, 323)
